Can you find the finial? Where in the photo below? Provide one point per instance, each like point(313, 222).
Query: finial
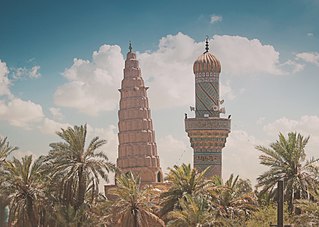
point(207, 47)
point(130, 46)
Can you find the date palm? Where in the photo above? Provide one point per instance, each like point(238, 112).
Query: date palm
point(309, 208)
point(182, 180)
point(76, 168)
point(5, 150)
point(133, 205)
point(232, 200)
point(25, 188)
point(192, 212)
point(286, 159)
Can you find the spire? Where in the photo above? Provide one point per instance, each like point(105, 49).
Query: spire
point(207, 46)
point(130, 46)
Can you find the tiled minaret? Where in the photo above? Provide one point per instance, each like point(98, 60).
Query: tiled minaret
point(207, 131)
point(137, 151)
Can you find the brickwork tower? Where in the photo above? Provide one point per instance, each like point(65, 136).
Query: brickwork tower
point(207, 131)
point(137, 151)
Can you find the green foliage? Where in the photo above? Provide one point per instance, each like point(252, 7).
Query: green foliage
point(61, 189)
point(233, 200)
point(133, 206)
point(183, 180)
point(77, 168)
point(309, 208)
point(5, 149)
point(192, 212)
point(24, 185)
point(266, 215)
point(286, 159)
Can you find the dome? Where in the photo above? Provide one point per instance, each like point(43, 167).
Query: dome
point(206, 63)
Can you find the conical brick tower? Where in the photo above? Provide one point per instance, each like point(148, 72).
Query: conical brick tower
point(137, 151)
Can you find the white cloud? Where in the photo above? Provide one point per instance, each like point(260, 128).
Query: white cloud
point(215, 19)
point(50, 126)
point(292, 66)
point(56, 113)
point(240, 156)
point(310, 57)
point(4, 80)
point(242, 56)
point(173, 151)
point(92, 85)
point(19, 73)
point(226, 91)
point(20, 113)
point(169, 69)
point(19, 154)
point(108, 133)
point(310, 34)
point(306, 126)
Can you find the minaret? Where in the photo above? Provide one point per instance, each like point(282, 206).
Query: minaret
point(207, 131)
point(137, 151)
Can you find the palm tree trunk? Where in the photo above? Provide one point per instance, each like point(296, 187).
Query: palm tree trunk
point(81, 189)
point(297, 196)
point(81, 192)
point(30, 212)
point(2, 213)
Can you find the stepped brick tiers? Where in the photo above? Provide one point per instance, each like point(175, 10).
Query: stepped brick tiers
point(207, 131)
point(137, 151)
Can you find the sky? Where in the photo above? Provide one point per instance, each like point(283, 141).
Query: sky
point(61, 64)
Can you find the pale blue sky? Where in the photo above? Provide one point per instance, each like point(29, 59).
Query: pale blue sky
point(269, 52)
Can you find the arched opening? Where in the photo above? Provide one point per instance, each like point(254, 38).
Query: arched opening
point(159, 176)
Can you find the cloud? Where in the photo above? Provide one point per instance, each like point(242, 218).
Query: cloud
point(92, 84)
point(50, 126)
point(310, 34)
point(19, 73)
point(19, 154)
point(226, 91)
point(292, 66)
point(310, 57)
point(109, 133)
point(20, 113)
point(240, 156)
point(169, 69)
point(173, 151)
point(56, 113)
point(214, 19)
point(242, 56)
point(4, 80)
point(307, 125)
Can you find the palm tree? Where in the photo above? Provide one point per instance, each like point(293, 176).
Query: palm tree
point(266, 216)
point(182, 180)
point(5, 150)
point(78, 167)
point(133, 206)
point(309, 208)
point(286, 159)
point(232, 200)
point(24, 185)
point(193, 212)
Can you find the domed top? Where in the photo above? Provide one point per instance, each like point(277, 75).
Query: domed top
point(206, 63)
